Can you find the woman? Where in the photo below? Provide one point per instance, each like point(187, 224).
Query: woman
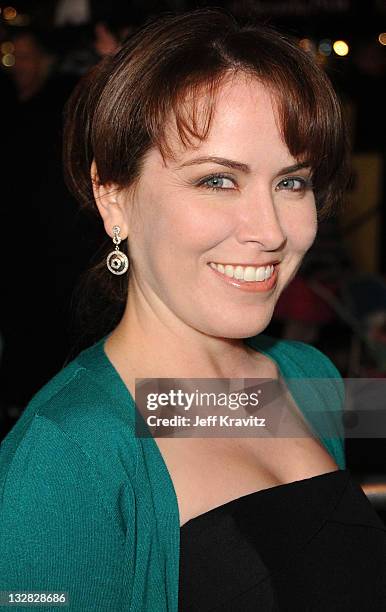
point(212, 148)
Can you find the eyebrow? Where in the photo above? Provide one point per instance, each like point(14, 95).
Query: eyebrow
point(230, 163)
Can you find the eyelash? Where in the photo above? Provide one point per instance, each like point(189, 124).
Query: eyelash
point(305, 182)
point(202, 182)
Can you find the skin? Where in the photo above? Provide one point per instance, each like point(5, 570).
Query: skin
point(181, 320)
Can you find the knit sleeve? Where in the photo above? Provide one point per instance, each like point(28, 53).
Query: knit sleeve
point(57, 531)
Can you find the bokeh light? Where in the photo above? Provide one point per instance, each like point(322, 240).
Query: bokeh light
point(325, 46)
point(7, 47)
point(8, 60)
point(9, 13)
point(307, 45)
point(382, 38)
point(341, 48)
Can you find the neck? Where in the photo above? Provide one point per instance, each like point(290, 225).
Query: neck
point(154, 343)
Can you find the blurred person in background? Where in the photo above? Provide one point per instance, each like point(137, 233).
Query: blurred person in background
point(39, 221)
point(33, 64)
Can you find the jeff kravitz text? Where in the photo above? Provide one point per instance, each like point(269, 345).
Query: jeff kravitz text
point(212, 420)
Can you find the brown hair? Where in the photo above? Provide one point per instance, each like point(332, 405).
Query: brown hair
point(119, 109)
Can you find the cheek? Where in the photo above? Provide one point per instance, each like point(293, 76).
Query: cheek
point(301, 228)
point(167, 238)
point(185, 231)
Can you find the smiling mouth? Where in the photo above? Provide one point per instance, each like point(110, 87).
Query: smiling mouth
point(247, 273)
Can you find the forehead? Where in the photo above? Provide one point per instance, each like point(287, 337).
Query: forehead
point(244, 122)
point(243, 107)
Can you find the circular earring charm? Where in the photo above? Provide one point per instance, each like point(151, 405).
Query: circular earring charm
point(117, 262)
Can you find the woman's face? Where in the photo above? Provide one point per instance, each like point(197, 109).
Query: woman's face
point(239, 200)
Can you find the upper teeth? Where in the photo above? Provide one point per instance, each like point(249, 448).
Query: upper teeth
point(246, 273)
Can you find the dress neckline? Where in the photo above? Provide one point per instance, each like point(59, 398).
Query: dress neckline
point(268, 492)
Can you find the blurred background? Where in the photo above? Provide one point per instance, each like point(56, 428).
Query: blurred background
point(337, 302)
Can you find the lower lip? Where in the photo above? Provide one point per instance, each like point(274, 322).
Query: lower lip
point(250, 286)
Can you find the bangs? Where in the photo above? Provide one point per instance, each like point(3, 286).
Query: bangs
point(188, 112)
point(304, 122)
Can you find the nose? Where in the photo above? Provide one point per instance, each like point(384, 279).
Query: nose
point(258, 221)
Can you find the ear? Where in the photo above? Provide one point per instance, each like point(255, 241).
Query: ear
point(111, 202)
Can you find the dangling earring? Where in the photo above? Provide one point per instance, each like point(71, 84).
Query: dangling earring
point(117, 262)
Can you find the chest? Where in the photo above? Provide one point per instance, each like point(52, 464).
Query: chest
point(208, 472)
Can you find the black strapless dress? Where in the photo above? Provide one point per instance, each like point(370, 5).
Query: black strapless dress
point(310, 545)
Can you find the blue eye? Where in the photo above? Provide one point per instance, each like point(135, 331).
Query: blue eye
point(217, 182)
point(295, 184)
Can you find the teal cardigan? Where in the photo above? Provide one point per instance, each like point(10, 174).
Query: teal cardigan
point(88, 508)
